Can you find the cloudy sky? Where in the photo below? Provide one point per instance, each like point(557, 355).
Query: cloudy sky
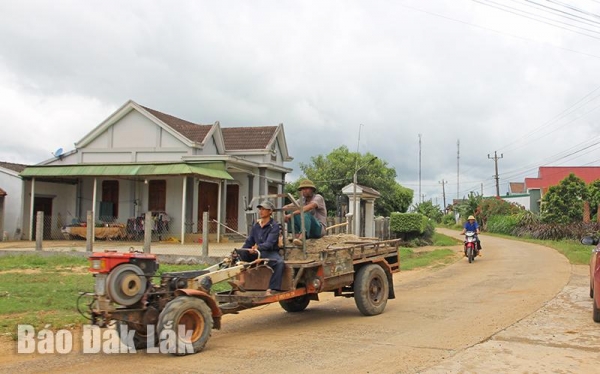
point(516, 77)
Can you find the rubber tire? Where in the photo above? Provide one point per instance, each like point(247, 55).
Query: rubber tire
point(595, 310)
point(297, 304)
point(470, 254)
point(371, 290)
point(192, 312)
point(140, 341)
point(591, 292)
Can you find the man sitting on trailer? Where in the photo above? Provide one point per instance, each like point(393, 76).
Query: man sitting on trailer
point(264, 237)
point(314, 211)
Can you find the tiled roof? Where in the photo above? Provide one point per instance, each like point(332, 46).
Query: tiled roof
point(2, 192)
point(517, 187)
point(552, 175)
point(190, 130)
point(14, 167)
point(245, 138)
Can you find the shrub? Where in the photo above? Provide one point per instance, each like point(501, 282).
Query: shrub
point(448, 220)
point(502, 224)
point(407, 223)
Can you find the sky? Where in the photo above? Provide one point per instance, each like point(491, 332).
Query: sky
point(434, 88)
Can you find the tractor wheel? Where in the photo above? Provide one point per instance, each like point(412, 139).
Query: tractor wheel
point(186, 321)
point(297, 304)
point(371, 290)
point(140, 337)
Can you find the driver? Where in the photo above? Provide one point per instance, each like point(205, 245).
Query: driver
point(264, 237)
point(471, 225)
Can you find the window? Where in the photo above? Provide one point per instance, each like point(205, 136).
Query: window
point(157, 195)
point(109, 207)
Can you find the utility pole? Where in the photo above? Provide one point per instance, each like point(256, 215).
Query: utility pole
point(420, 167)
point(443, 182)
point(496, 158)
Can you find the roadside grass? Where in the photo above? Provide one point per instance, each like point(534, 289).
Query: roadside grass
point(409, 259)
point(43, 291)
point(441, 240)
point(575, 252)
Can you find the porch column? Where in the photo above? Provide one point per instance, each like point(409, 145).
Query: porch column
point(31, 209)
point(94, 210)
point(219, 214)
point(369, 217)
point(183, 193)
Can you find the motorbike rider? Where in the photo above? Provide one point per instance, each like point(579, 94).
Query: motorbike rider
point(471, 225)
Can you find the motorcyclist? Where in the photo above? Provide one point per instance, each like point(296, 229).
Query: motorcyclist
point(471, 225)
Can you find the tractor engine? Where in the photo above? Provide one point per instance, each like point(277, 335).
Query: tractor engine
point(120, 278)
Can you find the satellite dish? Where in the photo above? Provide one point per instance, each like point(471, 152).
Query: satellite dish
point(58, 153)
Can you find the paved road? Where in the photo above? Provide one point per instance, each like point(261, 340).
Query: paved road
point(502, 313)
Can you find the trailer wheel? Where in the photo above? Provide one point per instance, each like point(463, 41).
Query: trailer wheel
point(297, 304)
point(186, 322)
point(140, 337)
point(371, 290)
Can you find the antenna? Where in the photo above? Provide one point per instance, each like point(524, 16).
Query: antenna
point(58, 153)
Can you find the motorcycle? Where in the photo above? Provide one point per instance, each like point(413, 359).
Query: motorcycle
point(471, 250)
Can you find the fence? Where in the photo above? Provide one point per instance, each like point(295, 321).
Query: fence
point(135, 229)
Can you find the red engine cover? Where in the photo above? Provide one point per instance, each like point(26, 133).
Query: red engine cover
point(104, 262)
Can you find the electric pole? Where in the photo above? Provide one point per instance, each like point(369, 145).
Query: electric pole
point(443, 182)
point(496, 158)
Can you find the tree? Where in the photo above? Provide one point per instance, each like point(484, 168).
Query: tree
point(563, 203)
point(429, 210)
point(330, 173)
point(594, 196)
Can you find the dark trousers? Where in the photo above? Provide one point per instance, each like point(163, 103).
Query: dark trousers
point(311, 224)
point(275, 262)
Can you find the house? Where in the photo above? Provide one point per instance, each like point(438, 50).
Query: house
point(11, 196)
point(140, 159)
point(548, 176)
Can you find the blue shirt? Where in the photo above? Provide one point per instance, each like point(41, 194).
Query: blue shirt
point(471, 226)
point(267, 237)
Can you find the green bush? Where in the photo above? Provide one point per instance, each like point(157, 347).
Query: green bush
point(402, 223)
point(448, 220)
point(503, 224)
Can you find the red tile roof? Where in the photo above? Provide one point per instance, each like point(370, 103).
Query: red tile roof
point(14, 167)
point(552, 175)
point(245, 138)
point(190, 130)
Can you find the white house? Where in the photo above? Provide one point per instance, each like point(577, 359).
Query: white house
point(11, 197)
point(140, 159)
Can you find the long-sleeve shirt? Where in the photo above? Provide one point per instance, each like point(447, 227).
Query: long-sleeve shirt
point(266, 237)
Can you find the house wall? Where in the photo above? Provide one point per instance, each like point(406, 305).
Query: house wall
point(523, 200)
point(12, 218)
point(63, 205)
point(133, 199)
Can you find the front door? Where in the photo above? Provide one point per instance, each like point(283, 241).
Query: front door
point(43, 204)
point(231, 210)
